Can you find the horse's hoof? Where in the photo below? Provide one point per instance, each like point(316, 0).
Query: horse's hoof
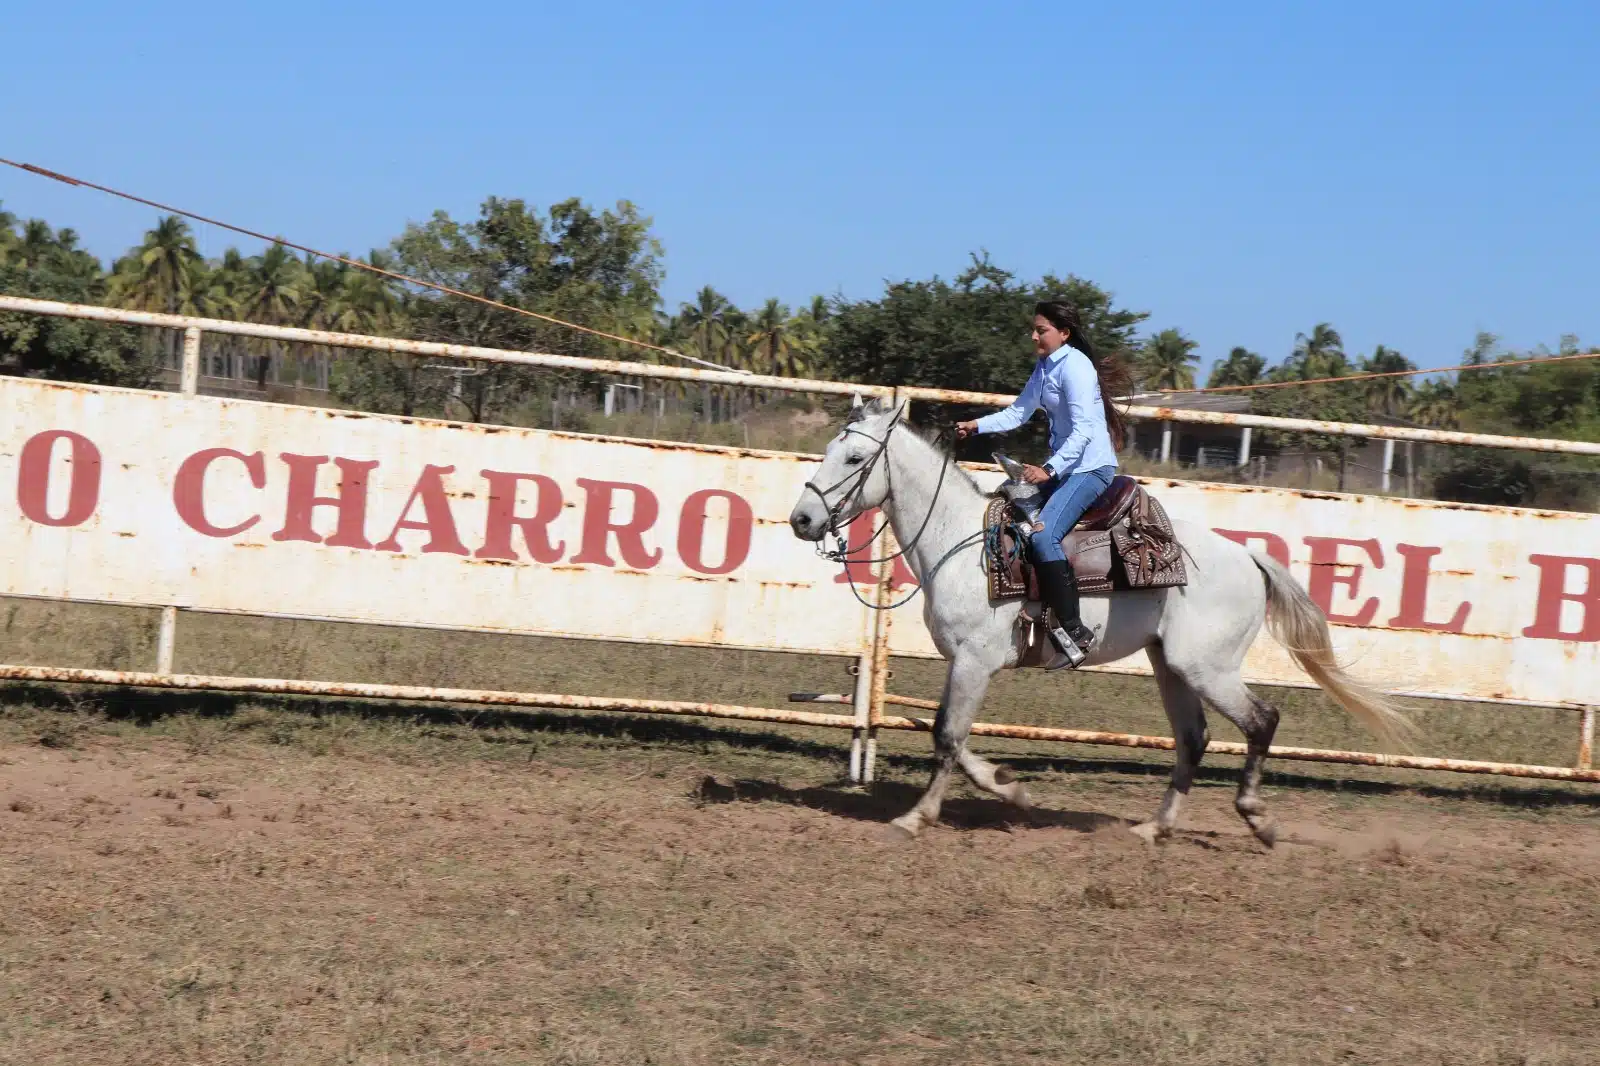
point(1150, 832)
point(901, 831)
point(1267, 833)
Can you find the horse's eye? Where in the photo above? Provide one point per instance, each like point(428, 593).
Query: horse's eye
point(853, 460)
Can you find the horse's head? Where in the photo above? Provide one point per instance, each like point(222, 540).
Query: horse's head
point(854, 476)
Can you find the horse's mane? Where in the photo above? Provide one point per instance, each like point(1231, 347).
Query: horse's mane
point(933, 438)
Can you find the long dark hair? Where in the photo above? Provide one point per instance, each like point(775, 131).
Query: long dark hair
point(1115, 377)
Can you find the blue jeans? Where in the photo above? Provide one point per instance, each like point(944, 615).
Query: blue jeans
point(1066, 502)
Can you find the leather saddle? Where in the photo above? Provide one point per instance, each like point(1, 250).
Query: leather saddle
point(1123, 541)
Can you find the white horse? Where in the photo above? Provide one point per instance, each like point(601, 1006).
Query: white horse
point(1195, 635)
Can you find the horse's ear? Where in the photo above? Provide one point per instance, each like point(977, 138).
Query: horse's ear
point(858, 410)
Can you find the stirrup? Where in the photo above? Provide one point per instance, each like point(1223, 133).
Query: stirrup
point(1072, 653)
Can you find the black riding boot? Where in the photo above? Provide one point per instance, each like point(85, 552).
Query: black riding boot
point(1059, 588)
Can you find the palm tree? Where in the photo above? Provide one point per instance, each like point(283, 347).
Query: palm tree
point(1387, 395)
point(323, 293)
point(8, 232)
point(1433, 404)
point(704, 323)
point(735, 350)
point(807, 331)
point(819, 311)
point(274, 289)
point(1168, 360)
point(1242, 367)
point(224, 285)
point(37, 242)
point(159, 274)
point(771, 336)
point(1319, 355)
point(369, 302)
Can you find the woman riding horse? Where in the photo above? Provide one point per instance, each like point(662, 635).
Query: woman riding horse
point(1074, 386)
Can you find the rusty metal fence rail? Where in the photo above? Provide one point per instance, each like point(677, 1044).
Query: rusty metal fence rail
point(868, 636)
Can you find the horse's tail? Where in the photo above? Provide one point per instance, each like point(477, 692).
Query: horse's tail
point(1300, 626)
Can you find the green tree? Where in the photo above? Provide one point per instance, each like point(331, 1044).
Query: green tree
point(1388, 396)
point(600, 269)
point(1168, 361)
point(705, 323)
point(275, 287)
point(971, 332)
point(1433, 404)
point(159, 274)
point(1242, 367)
point(968, 333)
point(1542, 399)
point(1319, 354)
point(8, 237)
point(48, 264)
point(1316, 356)
point(771, 337)
point(808, 332)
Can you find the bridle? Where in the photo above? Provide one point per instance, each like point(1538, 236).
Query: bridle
point(844, 554)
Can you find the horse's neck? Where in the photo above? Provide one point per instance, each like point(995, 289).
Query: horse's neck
point(955, 504)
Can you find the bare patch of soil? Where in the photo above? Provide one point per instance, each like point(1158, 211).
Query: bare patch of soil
point(194, 898)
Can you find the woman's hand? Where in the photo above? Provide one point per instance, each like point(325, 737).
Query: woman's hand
point(1035, 475)
point(965, 429)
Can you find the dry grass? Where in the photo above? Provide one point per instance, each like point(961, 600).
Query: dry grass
point(213, 880)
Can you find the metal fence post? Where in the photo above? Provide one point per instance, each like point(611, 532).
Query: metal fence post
point(861, 701)
point(1586, 739)
point(165, 639)
point(883, 597)
point(884, 594)
point(188, 385)
point(189, 378)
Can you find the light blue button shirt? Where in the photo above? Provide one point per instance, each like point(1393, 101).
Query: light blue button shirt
point(1065, 384)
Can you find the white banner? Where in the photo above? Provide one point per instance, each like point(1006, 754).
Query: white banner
point(153, 498)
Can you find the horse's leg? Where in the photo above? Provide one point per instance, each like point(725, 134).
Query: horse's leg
point(964, 687)
point(1258, 721)
point(994, 779)
point(1187, 716)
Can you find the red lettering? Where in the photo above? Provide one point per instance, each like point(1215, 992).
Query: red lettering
point(598, 528)
point(1276, 546)
point(1553, 593)
point(858, 568)
point(1324, 576)
point(692, 530)
point(33, 478)
point(1413, 612)
point(437, 521)
point(189, 489)
point(503, 518)
point(351, 502)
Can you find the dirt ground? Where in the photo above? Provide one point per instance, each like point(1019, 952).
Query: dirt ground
point(202, 879)
point(226, 882)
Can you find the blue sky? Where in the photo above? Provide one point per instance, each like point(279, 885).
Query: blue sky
point(1411, 172)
